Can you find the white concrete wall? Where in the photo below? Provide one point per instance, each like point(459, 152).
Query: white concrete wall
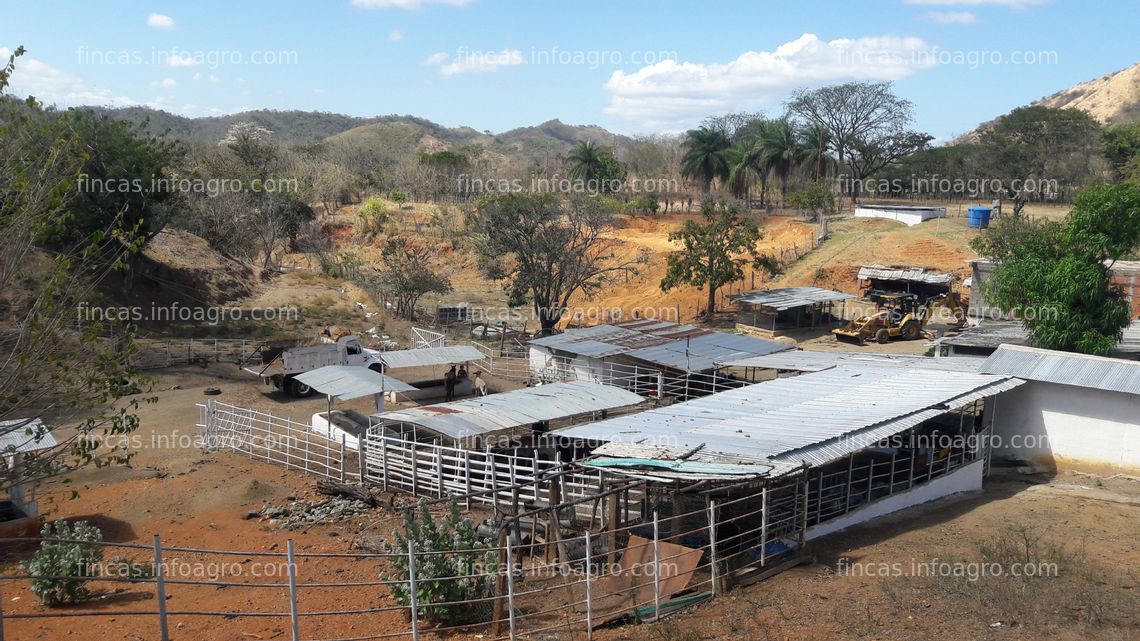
point(965, 479)
point(1068, 427)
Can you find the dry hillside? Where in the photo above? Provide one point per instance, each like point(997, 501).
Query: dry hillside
point(1112, 98)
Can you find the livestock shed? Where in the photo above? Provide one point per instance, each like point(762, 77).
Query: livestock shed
point(983, 339)
point(773, 312)
point(907, 214)
point(480, 423)
point(913, 280)
point(650, 357)
point(806, 456)
point(19, 440)
point(1075, 411)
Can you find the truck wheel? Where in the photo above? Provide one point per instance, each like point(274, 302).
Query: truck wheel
point(882, 336)
point(299, 389)
point(910, 330)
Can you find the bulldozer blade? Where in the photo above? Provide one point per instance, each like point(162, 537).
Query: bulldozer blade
point(848, 337)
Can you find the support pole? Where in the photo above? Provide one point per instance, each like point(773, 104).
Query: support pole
point(294, 622)
point(412, 591)
point(160, 590)
point(656, 569)
point(763, 526)
point(712, 547)
point(589, 592)
point(510, 589)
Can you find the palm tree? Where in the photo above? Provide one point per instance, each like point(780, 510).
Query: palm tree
point(814, 141)
point(705, 158)
point(782, 151)
point(745, 168)
point(585, 160)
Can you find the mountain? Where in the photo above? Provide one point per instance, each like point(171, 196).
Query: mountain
point(1111, 98)
point(395, 135)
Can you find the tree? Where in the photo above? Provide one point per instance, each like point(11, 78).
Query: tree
point(815, 140)
point(714, 253)
point(1031, 146)
point(596, 167)
point(853, 113)
point(1056, 276)
point(57, 372)
point(278, 217)
point(407, 275)
point(546, 250)
point(877, 150)
point(1120, 145)
point(253, 146)
point(705, 159)
point(815, 199)
point(781, 152)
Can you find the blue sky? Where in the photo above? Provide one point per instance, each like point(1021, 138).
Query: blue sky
point(633, 67)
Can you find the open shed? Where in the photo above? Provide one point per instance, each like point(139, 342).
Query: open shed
point(912, 280)
point(773, 312)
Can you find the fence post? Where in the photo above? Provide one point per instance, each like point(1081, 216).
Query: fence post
point(764, 526)
point(510, 587)
point(412, 590)
point(160, 589)
point(343, 448)
point(712, 546)
point(415, 471)
point(656, 568)
point(384, 458)
point(293, 619)
point(589, 594)
point(361, 443)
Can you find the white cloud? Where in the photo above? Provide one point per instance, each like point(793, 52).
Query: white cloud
point(54, 86)
point(951, 17)
point(165, 83)
point(179, 60)
point(671, 92)
point(160, 21)
point(395, 36)
point(474, 61)
point(1012, 4)
point(212, 79)
point(410, 5)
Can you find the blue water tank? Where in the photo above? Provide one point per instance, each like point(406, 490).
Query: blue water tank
point(978, 217)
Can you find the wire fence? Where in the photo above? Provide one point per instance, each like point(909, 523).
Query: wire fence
point(639, 571)
point(153, 353)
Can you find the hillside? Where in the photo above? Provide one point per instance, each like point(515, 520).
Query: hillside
point(394, 134)
point(1111, 98)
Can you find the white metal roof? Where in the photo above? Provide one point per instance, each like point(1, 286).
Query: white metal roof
point(347, 382)
point(789, 297)
point(803, 361)
point(24, 435)
point(518, 408)
point(427, 356)
point(659, 343)
point(814, 417)
point(1065, 368)
point(914, 274)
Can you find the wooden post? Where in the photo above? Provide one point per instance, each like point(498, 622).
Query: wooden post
point(589, 592)
point(764, 526)
point(412, 591)
point(292, 569)
point(415, 472)
point(500, 585)
point(160, 590)
point(712, 547)
point(343, 449)
point(438, 464)
point(510, 589)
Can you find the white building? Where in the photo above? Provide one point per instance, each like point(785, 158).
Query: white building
point(1075, 411)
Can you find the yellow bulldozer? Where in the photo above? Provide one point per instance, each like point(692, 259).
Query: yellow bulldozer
point(897, 315)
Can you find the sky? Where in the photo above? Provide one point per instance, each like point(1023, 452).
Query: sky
point(632, 66)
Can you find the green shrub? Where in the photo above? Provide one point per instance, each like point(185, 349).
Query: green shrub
point(65, 568)
point(472, 560)
point(371, 216)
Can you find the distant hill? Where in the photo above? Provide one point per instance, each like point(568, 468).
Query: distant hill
point(1111, 98)
point(396, 135)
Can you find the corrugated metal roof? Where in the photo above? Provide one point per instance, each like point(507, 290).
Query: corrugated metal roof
point(24, 435)
point(789, 297)
point(913, 274)
point(802, 361)
point(427, 356)
point(989, 333)
point(798, 418)
point(1065, 368)
point(518, 408)
point(347, 382)
point(659, 343)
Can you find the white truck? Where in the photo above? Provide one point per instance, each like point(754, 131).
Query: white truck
point(280, 363)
